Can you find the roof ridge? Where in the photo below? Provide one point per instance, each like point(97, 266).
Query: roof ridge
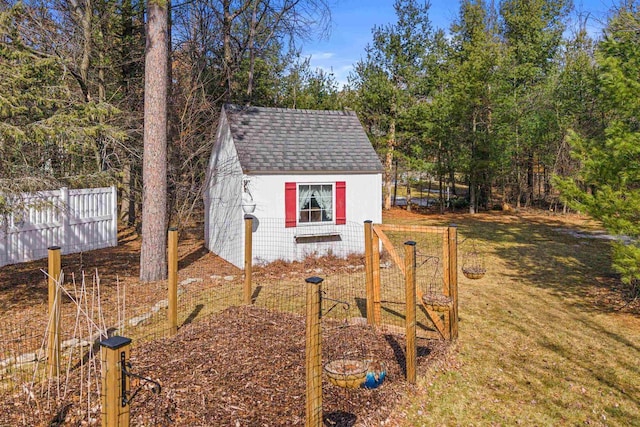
point(240, 108)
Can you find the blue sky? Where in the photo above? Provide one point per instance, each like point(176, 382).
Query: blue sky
point(353, 20)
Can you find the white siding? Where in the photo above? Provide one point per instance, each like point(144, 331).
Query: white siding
point(274, 241)
point(223, 216)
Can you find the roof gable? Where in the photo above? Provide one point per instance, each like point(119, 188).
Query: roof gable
point(279, 140)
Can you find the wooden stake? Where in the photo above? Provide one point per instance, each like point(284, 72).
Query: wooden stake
point(115, 389)
point(368, 263)
point(314, 352)
point(453, 281)
point(248, 257)
point(172, 312)
point(377, 297)
point(53, 339)
point(410, 321)
point(446, 265)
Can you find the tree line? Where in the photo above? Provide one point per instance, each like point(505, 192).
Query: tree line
point(516, 100)
point(514, 103)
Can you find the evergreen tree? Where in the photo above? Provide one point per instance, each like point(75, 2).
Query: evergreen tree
point(607, 186)
point(309, 89)
point(532, 33)
point(49, 135)
point(475, 57)
point(385, 79)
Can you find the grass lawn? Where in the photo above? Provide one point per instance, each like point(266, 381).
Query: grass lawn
point(543, 340)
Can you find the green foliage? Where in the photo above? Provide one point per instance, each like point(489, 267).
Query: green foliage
point(47, 133)
point(387, 83)
point(607, 186)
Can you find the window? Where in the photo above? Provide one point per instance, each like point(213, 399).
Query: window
point(315, 203)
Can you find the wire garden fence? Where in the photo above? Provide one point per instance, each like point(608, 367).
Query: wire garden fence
point(57, 354)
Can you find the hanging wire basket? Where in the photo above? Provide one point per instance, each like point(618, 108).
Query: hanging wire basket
point(474, 273)
point(347, 373)
point(473, 263)
point(433, 297)
point(437, 301)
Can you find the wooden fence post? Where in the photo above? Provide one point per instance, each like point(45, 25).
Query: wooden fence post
point(377, 297)
point(368, 264)
point(410, 321)
point(114, 352)
point(172, 258)
point(248, 257)
point(314, 352)
point(53, 339)
point(453, 280)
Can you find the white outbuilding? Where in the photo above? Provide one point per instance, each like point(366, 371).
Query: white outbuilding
point(305, 176)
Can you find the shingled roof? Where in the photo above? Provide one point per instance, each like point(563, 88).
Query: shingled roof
point(280, 140)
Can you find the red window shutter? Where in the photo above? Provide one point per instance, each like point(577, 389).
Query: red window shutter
point(341, 202)
point(290, 211)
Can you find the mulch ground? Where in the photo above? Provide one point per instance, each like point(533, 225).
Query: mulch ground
point(245, 367)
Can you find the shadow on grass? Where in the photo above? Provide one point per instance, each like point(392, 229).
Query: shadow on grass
point(256, 293)
point(545, 254)
point(362, 306)
point(400, 354)
point(402, 317)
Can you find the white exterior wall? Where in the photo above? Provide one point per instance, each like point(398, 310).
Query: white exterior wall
point(223, 216)
point(363, 202)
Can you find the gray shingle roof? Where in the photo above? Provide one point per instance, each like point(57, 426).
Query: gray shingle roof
point(279, 140)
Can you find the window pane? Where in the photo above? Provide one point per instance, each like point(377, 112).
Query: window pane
point(315, 202)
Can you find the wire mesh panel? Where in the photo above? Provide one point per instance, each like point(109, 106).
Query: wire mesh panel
point(338, 258)
point(431, 273)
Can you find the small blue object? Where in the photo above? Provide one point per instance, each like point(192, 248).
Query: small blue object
point(375, 375)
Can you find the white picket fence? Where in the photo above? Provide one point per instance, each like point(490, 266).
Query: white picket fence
point(75, 220)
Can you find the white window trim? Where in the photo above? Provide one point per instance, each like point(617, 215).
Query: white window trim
point(333, 205)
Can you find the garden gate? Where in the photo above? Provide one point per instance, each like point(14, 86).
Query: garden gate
point(434, 269)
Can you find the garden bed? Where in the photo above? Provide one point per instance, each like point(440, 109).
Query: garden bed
point(244, 366)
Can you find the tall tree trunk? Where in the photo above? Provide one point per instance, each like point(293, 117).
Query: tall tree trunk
point(388, 163)
point(530, 180)
point(154, 171)
point(440, 179)
point(125, 193)
point(252, 51)
point(473, 173)
point(408, 192)
point(227, 19)
point(128, 199)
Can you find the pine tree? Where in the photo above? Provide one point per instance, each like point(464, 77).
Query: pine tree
point(607, 187)
point(48, 133)
point(472, 79)
point(385, 79)
point(154, 173)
